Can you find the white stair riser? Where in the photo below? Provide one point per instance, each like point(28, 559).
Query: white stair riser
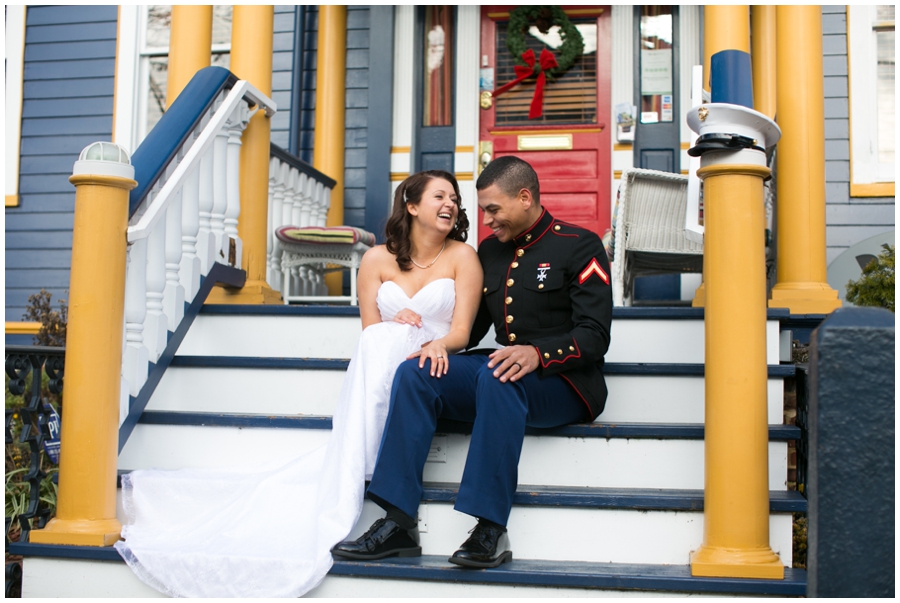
point(47, 577)
point(580, 534)
point(632, 398)
point(545, 460)
point(649, 341)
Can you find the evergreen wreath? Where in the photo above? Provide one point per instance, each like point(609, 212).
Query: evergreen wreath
point(544, 17)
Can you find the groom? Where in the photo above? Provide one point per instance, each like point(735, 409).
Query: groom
point(547, 293)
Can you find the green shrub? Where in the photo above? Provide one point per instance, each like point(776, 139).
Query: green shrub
point(876, 285)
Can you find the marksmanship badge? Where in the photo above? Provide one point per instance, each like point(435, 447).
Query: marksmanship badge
point(542, 271)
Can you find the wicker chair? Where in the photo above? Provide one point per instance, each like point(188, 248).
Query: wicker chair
point(649, 230)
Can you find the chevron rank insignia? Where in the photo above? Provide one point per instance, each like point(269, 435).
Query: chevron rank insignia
point(593, 268)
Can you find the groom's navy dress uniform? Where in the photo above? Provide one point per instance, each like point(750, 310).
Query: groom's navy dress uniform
point(548, 288)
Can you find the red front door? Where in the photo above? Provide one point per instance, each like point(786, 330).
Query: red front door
point(569, 145)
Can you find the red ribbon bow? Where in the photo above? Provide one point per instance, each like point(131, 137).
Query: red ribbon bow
point(548, 61)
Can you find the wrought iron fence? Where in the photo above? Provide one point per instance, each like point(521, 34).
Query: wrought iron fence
point(39, 427)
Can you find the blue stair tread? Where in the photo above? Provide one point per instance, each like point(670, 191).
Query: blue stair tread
point(650, 499)
point(523, 572)
point(689, 431)
point(340, 364)
point(645, 313)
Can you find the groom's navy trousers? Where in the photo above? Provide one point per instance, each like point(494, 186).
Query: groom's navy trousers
point(500, 413)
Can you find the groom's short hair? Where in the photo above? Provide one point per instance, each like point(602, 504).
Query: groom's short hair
point(511, 175)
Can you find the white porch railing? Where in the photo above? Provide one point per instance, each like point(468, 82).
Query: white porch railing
point(187, 224)
point(299, 195)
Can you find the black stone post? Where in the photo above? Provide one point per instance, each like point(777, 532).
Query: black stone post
point(851, 455)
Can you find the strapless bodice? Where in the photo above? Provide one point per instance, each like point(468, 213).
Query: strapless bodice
point(434, 303)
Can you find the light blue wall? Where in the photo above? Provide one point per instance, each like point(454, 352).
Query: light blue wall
point(69, 72)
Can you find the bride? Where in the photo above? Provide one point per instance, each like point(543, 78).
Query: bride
point(267, 531)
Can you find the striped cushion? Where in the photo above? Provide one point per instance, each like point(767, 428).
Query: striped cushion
point(325, 235)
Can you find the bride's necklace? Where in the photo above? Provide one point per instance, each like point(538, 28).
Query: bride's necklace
point(432, 261)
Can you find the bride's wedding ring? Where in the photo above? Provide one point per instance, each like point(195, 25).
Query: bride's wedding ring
point(440, 356)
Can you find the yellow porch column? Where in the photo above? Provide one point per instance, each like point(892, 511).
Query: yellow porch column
point(251, 60)
point(190, 45)
point(802, 277)
point(328, 149)
point(86, 506)
point(724, 28)
point(762, 26)
point(736, 437)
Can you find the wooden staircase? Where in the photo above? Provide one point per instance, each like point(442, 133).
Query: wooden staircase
point(614, 506)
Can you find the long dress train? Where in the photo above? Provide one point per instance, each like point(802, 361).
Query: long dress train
point(267, 531)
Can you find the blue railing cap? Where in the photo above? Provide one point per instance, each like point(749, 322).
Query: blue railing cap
point(176, 124)
point(294, 161)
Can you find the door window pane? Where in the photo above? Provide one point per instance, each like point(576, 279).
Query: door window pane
point(656, 64)
point(438, 69)
point(570, 98)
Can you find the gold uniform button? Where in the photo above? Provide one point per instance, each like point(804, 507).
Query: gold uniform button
point(508, 300)
point(509, 319)
point(556, 228)
point(541, 286)
point(514, 265)
point(546, 355)
point(571, 349)
point(485, 289)
point(528, 237)
point(510, 283)
point(512, 337)
point(559, 352)
point(520, 252)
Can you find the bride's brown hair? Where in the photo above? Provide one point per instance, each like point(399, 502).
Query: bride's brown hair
point(409, 192)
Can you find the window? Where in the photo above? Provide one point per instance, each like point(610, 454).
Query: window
point(15, 53)
point(154, 59)
point(870, 42)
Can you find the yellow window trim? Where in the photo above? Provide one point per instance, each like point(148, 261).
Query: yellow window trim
point(22, 328)
point(878, 189)
point(861, 189)
point(12, 200)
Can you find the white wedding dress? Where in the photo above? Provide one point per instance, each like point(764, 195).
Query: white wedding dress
point(267, 531)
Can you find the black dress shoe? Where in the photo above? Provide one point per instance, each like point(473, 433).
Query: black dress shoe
point(488, 546)
point(384, 539)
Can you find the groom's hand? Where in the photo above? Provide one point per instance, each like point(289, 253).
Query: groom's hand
point(513, 362)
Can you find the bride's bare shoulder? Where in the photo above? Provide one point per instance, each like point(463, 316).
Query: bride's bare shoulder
point(463, 252)
point(377, 256)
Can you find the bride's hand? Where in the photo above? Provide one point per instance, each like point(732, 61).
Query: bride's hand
point(408, 317)
point(437, 353)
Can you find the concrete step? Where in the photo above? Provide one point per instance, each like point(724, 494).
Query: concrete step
point(659, 393)
point(64, 571)
point(595, 455)
point(658, 336)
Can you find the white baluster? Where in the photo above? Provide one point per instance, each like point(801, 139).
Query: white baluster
point(173, 300)
point(155, 332)
point(283, 195)
point(206, 240)
point(235, 127)
point(270, 208)
point(325, 195)
point(300, 276)
point(190, 227)
point(136, 356)
point(220, 194)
